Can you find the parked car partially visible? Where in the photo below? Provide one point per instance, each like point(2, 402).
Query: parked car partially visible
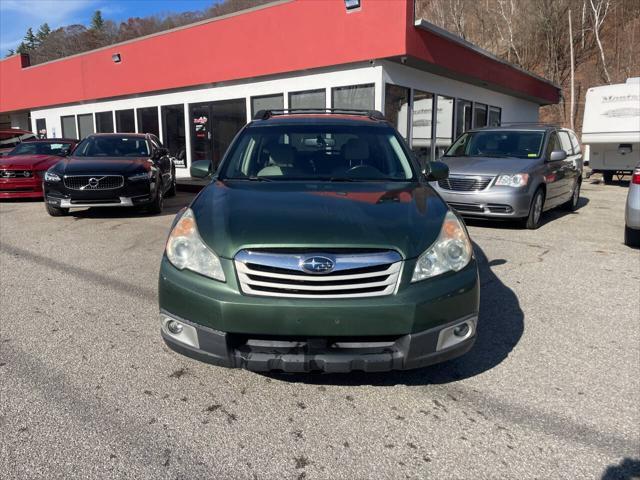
point(11, 137)
point(22, 169)
point(513, 172)
point(111, 170)
point(632, 211)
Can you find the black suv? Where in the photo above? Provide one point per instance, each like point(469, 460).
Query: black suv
point(111, 170)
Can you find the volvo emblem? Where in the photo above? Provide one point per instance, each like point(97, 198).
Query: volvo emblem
point(93, 182)
point(317, 265)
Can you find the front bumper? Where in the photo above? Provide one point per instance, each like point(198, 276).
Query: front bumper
point(21, 187)
point(129, 195)
point(495, 202)
point(222, 316)
point(330, 355)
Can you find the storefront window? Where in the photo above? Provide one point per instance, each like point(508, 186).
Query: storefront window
point(148, 121)
point(495, 116)
point(356, 97)
point(104, 122)
point(479, 115)
point(421, 125)
point(313, 99)
point(125, 121)
point(396, 107)
point(173, 132)
point(267, 102)
point(85, 125)
point(41, 128)
point(444, 124)
point(463, 116)
point(69, 126)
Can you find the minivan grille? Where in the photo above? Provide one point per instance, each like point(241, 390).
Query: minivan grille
point(93, 182)
point(354, 275)
point(465, 183)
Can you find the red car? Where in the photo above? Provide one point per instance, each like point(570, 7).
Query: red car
point(22, 169)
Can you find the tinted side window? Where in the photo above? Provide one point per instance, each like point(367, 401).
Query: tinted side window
point(566, 142)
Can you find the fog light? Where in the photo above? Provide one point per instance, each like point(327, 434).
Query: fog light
point(174, 327)
point(455, 334)
point(461, 330)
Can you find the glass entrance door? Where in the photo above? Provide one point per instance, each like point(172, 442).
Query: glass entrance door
point(213, 127)
point(201, 137)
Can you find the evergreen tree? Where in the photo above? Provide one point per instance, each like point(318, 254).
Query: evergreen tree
point(30, 39)
point(22, 48)
point(97, 22)
point(10, 52)
point(43, 32)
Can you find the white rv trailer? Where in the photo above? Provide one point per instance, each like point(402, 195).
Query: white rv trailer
point(611, 128)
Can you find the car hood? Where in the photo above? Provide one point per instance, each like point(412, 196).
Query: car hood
point(102, 165)
point(29, 162)
point(233, 215)
point(488, 165)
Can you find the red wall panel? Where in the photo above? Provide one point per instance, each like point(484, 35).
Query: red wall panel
point(285, 37)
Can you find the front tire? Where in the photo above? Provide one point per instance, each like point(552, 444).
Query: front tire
point(607, 177)
point(532, 221)
point(572, 203)
point(56, 211)
point(631, 237)
point(158, 202)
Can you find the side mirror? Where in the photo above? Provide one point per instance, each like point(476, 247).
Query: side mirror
point(436, 171)
point(200, 169)
point(557, 156)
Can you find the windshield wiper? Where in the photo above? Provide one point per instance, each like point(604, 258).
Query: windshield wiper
point(250, 179)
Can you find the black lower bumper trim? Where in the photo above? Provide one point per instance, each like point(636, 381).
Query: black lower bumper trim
point(414, 350)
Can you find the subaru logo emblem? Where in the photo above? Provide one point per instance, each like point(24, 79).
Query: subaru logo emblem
point(317, 265)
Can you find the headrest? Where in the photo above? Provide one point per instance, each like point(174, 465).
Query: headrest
point(356, 149)
point(281, 155)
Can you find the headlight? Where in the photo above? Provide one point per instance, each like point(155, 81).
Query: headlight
point(141, 176)
point(517, 180)
point(51, 177)
point(185, 249)
point(451, 251)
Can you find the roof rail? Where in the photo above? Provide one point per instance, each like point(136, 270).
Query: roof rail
point(265, 114)
point(530, 124)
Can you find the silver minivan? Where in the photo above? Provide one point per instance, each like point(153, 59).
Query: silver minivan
point(513, 172)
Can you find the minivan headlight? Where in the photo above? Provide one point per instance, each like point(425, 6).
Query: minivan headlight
point(186, 250)
point(517, 180)
point(451, 251)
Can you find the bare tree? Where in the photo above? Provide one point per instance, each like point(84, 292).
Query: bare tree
point(508, 12)
point(599, 10)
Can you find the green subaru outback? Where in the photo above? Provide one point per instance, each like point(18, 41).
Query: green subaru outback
point(319, 246)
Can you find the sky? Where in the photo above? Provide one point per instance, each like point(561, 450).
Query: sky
point(18, 15)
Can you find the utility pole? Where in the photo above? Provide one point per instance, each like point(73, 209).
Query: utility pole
point(572, 74)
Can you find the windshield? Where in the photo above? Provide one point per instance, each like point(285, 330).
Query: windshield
point(318, 152)
point(498, 143)
point(41, 148)
point(116, 146)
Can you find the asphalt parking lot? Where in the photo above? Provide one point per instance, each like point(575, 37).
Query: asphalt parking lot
point(88, 389)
